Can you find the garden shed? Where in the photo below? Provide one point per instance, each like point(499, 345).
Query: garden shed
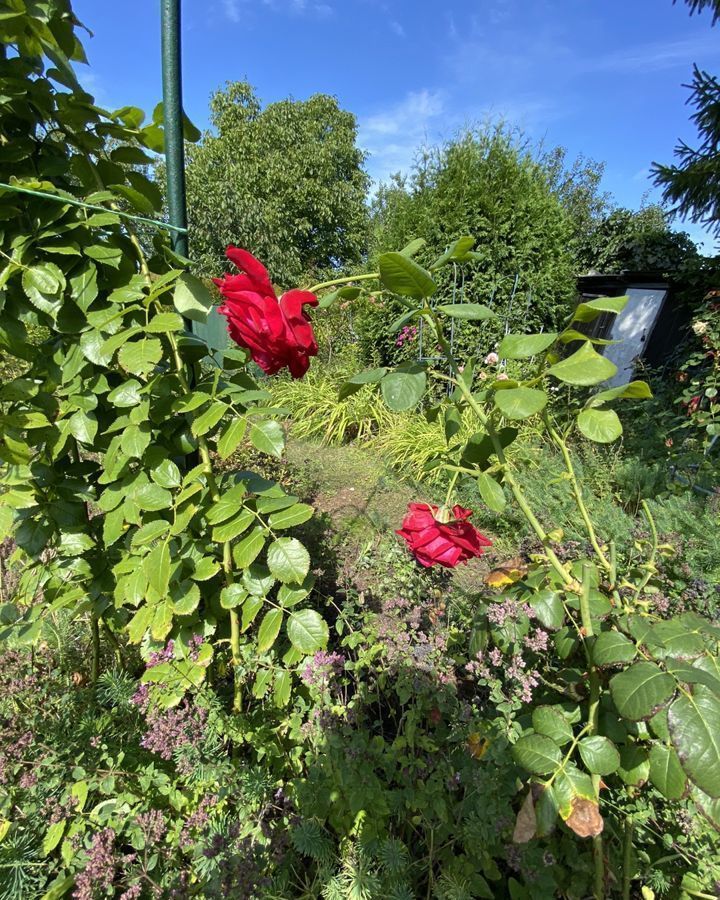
point(649, 327)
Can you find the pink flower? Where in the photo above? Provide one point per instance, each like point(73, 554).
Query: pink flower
point(491, 359)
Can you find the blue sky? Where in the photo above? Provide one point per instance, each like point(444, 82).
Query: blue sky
point(600, 77)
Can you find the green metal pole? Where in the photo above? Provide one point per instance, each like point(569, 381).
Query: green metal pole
point(172, 106)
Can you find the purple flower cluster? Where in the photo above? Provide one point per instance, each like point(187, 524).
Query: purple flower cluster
point(198, 820)
point(161, 656)
point(408, 333)
point(409, 633)
point(170, 730)
point(537, 641)
point(515, 674)
point(99, 871)
point(322, 668)
point(152, 824)
point(498, 613)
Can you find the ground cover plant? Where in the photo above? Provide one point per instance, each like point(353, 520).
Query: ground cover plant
point(234, 671)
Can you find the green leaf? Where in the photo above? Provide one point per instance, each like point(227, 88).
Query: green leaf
point(694, 722)
point(206, 421)
point(537, 753)
point(228, 531)
point(587, 312)
point(611, 648)
point(251, 607)
point(229, 504)
point(550, 721)
point(291, 594)
point(666, 773)
point(599, 755)
point(135, 440)
point(84, 287)
point(491, 492)
point(105, 254)
point(149, 532)
point(548, 608)
point(293, 515)
point(268, 437)
point(355, 383)
point(307, 630)
point(246, 551)
point(127, 394)
point(401, 275)
point(165, 322)
point(269, 629)
point(522, 346)
point(188, 598)
point(43, 285)
point(634, 765)
point(157, 568)
point(469, 312)
point(600, 425)
point(288, 560)
point(75, 543)
point(282, 687)
point(640, 691)
point(403, 390)
point(191, 298)
point(140, 357)
point(520, 403)
point(83, 426)
point(584, 367)
point(167, 474)
point(229, 440)
point(456, 252)
point(205, 569)
point(53, 836)
point(152, 498)
point(635, 390)
point(232, 596)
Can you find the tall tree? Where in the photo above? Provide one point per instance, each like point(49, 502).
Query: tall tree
point(286, 181)
point(692, 184)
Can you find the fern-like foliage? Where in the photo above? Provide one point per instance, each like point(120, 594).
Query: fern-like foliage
point(20, 871)
point(115, 688)
point(309, 838)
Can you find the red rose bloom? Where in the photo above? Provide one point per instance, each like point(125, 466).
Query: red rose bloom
point(434, 542)
point(277, 333)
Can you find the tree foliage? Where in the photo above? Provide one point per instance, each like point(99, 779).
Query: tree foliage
point(628, 240)
point(692, 184)
point(286, 180)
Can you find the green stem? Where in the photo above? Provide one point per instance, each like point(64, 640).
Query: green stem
point(451, 488)
point(346, 279)
point(499, 451)
point(627, 858)
point(577, 491)
point(95, 658)
point(592, 722)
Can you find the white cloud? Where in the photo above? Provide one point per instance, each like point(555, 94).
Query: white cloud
point(232, 9)
point(654, 57)
point(391, 136)
point(397, 28)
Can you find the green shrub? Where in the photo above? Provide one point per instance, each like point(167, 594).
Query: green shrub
point(316, 411)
